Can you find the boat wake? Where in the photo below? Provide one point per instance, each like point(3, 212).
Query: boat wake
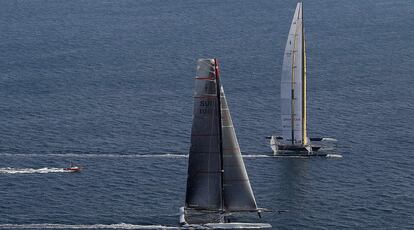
point(9, 170)
point(89, 155)
point(167, 155)
point(307, 157)
point(134, 226)
point(334, 156)
point(83, 226)
point(329, 139)
point(256, 156)
point(228, 226)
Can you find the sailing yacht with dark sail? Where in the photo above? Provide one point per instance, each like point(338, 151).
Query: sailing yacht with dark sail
point(217, 182)
point(294, 139)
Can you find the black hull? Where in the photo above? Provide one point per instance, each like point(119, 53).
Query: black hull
point(200, 217)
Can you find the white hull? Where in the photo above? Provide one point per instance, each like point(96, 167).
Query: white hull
point(182, 216)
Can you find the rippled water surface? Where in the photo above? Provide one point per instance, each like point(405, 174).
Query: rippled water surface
point(108, 85)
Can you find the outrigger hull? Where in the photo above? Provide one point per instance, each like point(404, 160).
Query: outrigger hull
point(299, 153)
point(298, 148)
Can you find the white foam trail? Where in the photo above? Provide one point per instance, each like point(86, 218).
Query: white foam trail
point(83, 226)
point(256, 156)
point(233, 225)
point(9, 170)
point(334, 155)
point(89, 155)
point(287, 156)
point(329, 139)
point(135, 226)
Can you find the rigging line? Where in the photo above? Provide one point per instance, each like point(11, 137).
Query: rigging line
point(304, 133)
point(212, 125)
point(220, 131)
point(292, 115)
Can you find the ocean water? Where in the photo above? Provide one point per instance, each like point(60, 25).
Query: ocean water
point(108, 85)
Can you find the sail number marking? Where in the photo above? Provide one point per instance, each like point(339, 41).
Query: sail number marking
point(206, 107)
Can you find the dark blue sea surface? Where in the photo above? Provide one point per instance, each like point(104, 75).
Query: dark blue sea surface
point(108, 85)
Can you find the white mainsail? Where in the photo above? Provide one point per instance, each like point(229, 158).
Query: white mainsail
point(293, 83)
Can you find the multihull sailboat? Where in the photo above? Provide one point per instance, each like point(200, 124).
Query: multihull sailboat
point(294, 139)
point(217, 182)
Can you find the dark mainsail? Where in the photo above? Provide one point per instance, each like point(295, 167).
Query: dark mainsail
point(217, 178)
point(238, 194)
point(204, 183)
